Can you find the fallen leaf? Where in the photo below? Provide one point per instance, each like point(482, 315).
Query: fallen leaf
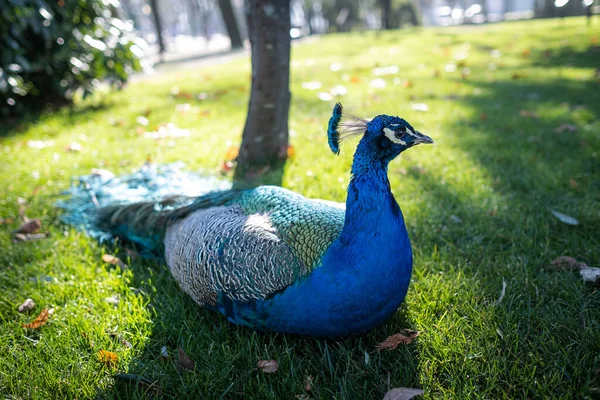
point(291, 151)
point(109, 259)
point(108, 358)
point(338, 90)
point(314, 85)
point(325, 96)
point(402, 394)
point(529, 114)
point(420, 107)
point(392, 69)
point(40, 144)
point(114, 300)
point(308, 383)
point(232, 153)
point(21, 237)
point(141, 120)
point(75, 147)
point(590, 275)
point(169, 130)
point(566, 262)
point(407, 84)
point(27, 306)
point(184, 361)
point(267, 366)
point(564, 218)
point(32, 226)
point(378, 83)
point(6, 221)
point(227, 166)
point(394, 340)
point(566, 128)
point(164, 354)
point(40, 319)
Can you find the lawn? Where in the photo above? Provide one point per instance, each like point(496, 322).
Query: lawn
point(513, 109)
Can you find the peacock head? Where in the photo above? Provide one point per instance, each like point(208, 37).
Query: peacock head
point(386, 135)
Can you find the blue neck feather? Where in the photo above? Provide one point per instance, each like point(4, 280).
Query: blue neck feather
point(363, 276)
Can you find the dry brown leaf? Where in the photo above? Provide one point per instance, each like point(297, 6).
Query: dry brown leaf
point(291, 151)
point(109, 259)
point(308, 383)
point(185, 362)
point(267, 366)
point(394, 341)
point(6, 221)
point(402, 394)
point(566, 262)
point(407, 84)
point(227, 166)
point(40, 319)
point(31, 226)
point(27, 306)
point(232, 153)
point(528, 114)
point(108, 358)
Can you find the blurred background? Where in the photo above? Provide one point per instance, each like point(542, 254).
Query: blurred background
point(48, 50)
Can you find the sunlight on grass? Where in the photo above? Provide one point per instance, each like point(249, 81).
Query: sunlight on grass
point(513, 109)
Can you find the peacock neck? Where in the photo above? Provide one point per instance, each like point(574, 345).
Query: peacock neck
point(370, 204)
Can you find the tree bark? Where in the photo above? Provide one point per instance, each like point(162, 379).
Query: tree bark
point(158, 26)
point(265, 138)
point(231, 24)
point(386, 14)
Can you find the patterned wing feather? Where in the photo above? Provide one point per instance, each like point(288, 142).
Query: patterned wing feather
point(307, 226)
point(258, 244)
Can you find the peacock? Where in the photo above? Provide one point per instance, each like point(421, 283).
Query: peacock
point(270, 259)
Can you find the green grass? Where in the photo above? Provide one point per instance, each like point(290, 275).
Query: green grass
point(477, 205)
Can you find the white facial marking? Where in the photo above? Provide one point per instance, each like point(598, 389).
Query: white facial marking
point(411, 133)
point(390, 135)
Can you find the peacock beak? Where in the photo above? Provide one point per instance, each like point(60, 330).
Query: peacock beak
point(421, 138)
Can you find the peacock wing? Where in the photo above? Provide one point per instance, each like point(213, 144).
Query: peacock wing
point(251, 247)
point(308, 226)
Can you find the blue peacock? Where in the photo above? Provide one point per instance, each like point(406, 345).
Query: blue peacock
point(272, 260)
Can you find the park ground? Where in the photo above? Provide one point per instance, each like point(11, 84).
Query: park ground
point(513, 108)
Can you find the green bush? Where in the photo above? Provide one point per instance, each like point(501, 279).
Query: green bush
point(51, 50)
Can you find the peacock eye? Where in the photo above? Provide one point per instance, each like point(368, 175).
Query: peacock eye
point(400, 132)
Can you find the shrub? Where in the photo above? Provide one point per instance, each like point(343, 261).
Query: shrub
point(50, 50)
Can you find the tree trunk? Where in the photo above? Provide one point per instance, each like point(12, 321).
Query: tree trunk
point(231, 24)
point(265, 138)
point(386, 14)
point(158, 26)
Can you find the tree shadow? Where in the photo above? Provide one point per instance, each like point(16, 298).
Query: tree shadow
point(74, 114)
point(568, 56)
